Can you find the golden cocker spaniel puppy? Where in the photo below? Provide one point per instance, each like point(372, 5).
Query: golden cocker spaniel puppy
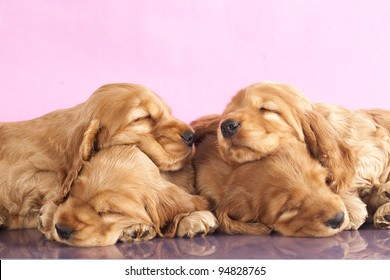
point(266, 115)
point(119, 193)
point(284, 191)
point(41, 159)
point(353, 146)
point(367, 134)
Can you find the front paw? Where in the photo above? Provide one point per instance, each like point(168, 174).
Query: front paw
point(197, 223)
point(138, 232)
point(46, 215)
point(357, 210)
point(384, 191)
point(382, 217)
point(2, 222)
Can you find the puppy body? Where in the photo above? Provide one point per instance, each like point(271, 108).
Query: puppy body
point(33, 163)
point(367, 133)
point(368, 139)
point(285, 192)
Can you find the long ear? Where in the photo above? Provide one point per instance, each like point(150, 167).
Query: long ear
point(205, 125)
point(325, 144)
point(85, 151)
point(231, 226)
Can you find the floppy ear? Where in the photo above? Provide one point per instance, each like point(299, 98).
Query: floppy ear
point(325, 145)
point(205, 125)
point(84, 152)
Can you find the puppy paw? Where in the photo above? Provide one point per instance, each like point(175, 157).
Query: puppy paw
point(2, 222)
point(197, 223)
point(384, 191)
point(45, 217)
point(382, 217)
point(357, 210)
point(138, 232)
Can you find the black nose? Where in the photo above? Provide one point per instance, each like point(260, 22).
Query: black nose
point(336, 221)
point(188, 137)
point(229, 128)
point(63, 232)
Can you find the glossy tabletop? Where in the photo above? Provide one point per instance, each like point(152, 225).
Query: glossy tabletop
point(366, 243)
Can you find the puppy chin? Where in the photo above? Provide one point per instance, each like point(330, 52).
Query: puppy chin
point(175, 162)
point(235, 153)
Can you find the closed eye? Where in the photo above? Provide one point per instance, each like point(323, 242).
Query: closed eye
point(268, 110)
point(269, 107)
point(139, 114)
point(143, 118)
point(109, 212)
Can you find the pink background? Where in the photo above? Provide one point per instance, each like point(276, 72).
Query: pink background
point(194, 54)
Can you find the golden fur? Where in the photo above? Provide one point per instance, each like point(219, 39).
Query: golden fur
point(273, 114)
point(367, 134)
point(120, 194)
point(41, 159)
point(353, 146)
point(285, 191)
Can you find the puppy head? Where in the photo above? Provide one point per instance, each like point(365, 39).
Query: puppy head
point(297, 197)
point(263, 117)
point(310, 215)
point(286, 192)
point(133, 114)
point(105, 194)
point(259, 119)
point(117, 193)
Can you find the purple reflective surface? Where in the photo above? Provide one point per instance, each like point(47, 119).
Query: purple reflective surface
point(367, 243)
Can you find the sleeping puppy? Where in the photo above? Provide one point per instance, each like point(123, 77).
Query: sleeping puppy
point(266, 115)
point(353, 146)
point(40, 158)
point(283, 191)
point(367, 134)
point(119, 193)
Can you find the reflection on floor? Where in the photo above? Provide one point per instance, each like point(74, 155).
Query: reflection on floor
point(367, 243)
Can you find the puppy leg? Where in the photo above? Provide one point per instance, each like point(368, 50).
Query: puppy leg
point(375, 197)
point(2, 221)
point(183, 214)
point(356, 209)
point(141, 226)
point(197, 223)
point(138, 232)
point(384, 191)
point(382, 217)
point(46, 215)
